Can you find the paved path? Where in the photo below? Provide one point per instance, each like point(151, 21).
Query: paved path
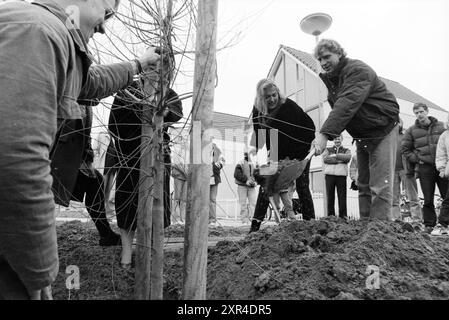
point(173, 244)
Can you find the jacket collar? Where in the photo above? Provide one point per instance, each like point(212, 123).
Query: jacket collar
point(432, 122)
point(74, 30)
point(336, 73)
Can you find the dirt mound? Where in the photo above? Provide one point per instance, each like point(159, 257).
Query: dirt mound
point(325, 259)
point(100, 274)
point(328, 259)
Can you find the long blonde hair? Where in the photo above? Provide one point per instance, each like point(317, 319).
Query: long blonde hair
point(260, 102)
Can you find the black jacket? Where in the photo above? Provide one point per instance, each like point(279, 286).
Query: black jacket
point(72, 146)
point(360, 102)
point(420, 142)
point(296, 130)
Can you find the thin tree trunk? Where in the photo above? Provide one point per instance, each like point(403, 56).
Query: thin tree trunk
point(144, 216)
point(196, 232)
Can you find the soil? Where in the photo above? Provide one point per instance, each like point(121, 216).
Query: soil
point(323, 259)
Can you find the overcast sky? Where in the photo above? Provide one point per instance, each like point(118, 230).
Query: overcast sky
point(403, 40)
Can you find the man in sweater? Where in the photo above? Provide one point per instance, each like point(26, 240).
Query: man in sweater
point(336, 161)
point(419, 147)
point(361, 104)
point(46, 69)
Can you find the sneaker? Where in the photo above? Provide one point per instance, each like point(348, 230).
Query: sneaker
point(112, 240)
point(255, 225)
point(439, 230)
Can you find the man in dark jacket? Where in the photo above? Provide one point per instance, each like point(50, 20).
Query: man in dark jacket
point(46, 68)
point(363, 106)
point(246, 188)
point(419, 146)
point(296, 131)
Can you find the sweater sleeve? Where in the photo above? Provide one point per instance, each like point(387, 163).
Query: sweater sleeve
point(441, 154)
point(104, 80)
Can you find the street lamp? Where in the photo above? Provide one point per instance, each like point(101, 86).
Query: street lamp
point(316, 23)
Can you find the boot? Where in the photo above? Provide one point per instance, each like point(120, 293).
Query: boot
point(255, 225)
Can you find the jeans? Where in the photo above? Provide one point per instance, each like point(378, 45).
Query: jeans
point(338, 182)
point(213, 203)
point(428, 177)
point(246, 209)
point(411, 191)
point(305, 197)
point(376, 165)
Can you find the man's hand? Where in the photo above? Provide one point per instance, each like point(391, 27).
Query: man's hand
point(250, 182)
point(442, 174)
point(150, 57)
point(43, 294)
point(319, 144)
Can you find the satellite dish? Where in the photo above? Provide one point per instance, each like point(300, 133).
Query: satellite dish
point(316, 23)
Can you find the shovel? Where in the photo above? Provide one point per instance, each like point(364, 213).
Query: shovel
point(288, 174)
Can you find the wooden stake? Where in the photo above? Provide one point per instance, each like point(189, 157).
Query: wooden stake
point(157, 266)
point(197, 215)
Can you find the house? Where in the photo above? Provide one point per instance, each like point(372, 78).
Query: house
point(229, 133)
point(296, 74)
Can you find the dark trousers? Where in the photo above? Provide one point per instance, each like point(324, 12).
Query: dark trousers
point(339, 183)
point(261, 205)
point(127, 192)
point(90, 189)
point(305, 199)
point(428, 177)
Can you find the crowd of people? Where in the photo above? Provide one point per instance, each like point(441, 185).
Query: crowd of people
point(49, 86)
